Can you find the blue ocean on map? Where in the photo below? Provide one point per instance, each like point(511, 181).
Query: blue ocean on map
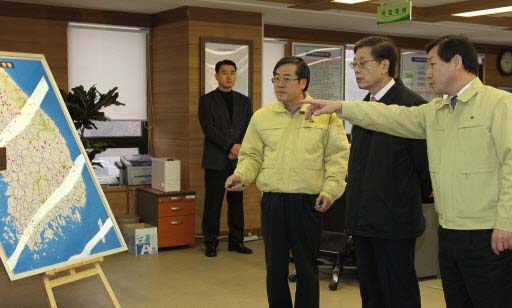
point(27, 74)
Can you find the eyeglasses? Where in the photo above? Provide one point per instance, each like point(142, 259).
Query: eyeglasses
point(361, 64)
point(285, 80)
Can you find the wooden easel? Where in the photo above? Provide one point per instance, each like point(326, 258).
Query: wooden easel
point(75, 274)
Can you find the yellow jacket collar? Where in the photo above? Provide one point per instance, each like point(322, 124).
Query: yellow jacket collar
point(465, 96)
point(279, 107)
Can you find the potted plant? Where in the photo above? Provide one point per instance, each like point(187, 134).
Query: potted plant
point(85, 108)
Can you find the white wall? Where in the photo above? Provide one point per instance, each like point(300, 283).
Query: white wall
point(273, 51)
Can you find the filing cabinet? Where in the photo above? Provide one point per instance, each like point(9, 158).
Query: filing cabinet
point(172, 212)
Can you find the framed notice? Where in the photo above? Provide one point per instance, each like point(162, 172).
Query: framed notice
point(413, 69)
point(326, 69)
point(52, 209)
point(214, 50)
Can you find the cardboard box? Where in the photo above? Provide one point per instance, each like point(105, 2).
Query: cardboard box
point(141, 239)
point(166, 174)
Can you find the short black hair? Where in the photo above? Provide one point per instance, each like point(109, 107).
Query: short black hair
point(224, 62)
point(382, 48)
point(451, 45)
point(302, 70)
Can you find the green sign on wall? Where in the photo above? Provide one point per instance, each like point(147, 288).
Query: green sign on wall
point(394, 12)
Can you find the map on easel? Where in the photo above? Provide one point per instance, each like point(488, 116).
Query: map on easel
point(52, 210)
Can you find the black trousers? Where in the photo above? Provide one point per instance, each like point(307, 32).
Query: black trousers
point(387, 277)
point(473, 276)
point(214, 181)
point(290, 222)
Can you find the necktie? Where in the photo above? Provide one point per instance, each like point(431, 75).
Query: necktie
point(453, 101)
point(373, 99)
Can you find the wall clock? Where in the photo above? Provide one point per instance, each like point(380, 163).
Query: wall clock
point(505, 62)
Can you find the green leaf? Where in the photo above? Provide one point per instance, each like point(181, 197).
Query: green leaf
point(85, 107)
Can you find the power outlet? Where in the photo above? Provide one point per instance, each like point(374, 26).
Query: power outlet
point(250, 238)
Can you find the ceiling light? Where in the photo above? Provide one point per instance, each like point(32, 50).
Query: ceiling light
point(497, 10)
point(349, 1)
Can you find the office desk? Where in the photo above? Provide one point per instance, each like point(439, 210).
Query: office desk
point(172, 212)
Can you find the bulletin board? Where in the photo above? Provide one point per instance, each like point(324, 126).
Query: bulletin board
point(326, 69)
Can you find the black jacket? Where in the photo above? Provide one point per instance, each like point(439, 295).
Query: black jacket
point(387, 178)
point(220, 133)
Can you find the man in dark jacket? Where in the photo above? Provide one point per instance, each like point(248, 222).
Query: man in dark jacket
point(387, 179)
point(224, 115)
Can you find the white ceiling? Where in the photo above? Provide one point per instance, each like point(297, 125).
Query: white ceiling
point(280, 14)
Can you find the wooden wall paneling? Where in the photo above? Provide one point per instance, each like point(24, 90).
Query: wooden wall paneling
point(492, 75)
point(199, 28)
point(227, 18)
point(40, 36)
point(65, 14)
point(169, 85)
point(312, 35)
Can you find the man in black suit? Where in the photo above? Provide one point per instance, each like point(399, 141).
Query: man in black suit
point(224, 115)
point(387, 179)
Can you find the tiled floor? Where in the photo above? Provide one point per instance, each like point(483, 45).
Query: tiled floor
point(185, 278)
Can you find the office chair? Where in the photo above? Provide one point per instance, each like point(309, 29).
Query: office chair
point(336, 247)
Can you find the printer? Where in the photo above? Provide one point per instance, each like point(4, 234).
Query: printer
point(134, 170)
point(166, 174)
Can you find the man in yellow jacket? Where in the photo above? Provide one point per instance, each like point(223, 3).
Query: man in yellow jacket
point(300, 166)
point(469, 145)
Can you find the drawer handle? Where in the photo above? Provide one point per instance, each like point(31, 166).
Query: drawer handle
point(176, 222)
point(175, 198)
point(176, 208)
